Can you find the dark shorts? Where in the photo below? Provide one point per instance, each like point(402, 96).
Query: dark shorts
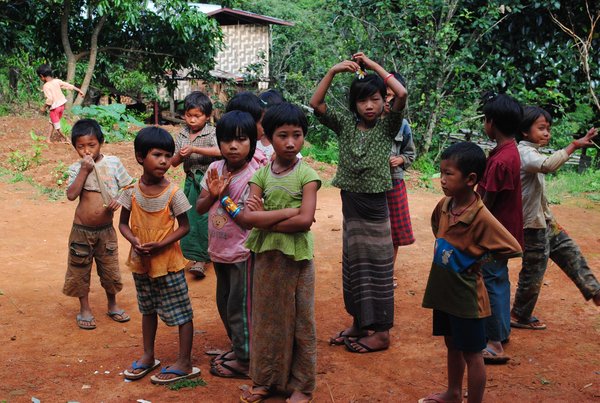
point(166, 296)
point(467, 334)
point(85, 245)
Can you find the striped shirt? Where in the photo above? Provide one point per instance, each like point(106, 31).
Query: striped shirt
point(196, 162)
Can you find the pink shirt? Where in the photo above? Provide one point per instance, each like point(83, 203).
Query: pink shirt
point(226, 239)
point(53, 93)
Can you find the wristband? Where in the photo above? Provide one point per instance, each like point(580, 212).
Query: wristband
point(385, 80)
point(230, 207)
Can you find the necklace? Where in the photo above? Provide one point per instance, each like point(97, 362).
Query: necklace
point(463, 210)
point(285, 169)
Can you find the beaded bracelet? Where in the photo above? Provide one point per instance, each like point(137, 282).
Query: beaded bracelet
point(230, 207)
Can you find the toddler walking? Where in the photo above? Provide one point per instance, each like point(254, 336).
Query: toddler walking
point(150, 208)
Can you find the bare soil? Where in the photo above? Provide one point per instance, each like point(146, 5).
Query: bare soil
point(44, 355)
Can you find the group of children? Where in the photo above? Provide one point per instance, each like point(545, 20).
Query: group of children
point(252, 199)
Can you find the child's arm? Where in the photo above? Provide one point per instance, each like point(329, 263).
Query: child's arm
point(260, 218)
point(186, 151)
point(127, 233)
point(303, 221)
point(75, 188)
point(395, 85)
point(67, 86)
point(317, 101)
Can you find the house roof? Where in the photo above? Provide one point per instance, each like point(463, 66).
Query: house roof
point(232, 16)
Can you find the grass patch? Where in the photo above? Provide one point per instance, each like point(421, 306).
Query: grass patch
point(570, 183)
point(187, 383)
point(9, 176)
point(328, 153)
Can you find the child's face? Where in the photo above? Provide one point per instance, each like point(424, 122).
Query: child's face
point(260, 131)
point(370, 108)
point(236, 151)
point(287, 141)
point(452, 179)
point(88, 145)
point(156, 163)
point(195, 119)
point(539, 132)
point(389, 97)
point(487, 128)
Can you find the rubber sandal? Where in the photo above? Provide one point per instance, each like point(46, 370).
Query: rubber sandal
point(82, 325)
point(234, 373)
point(492, 357)
point(180, 375)
point(198, 269)
point(366, 348)
point(532, 323)
point(262, 393)
point(119, 316)
point(134, 376)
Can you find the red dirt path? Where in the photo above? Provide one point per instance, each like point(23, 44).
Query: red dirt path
point(44, 354)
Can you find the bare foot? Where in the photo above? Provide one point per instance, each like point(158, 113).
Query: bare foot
point(224, 357)
point(231, 369)
point(255, 394)
point(441, 397)
point(176, 367)
point(299, 397)
point(596, 299)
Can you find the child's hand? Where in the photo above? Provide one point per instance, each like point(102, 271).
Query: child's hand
point(347, 65)
point(218, 186)
point(150, 247)
point(586, 141)
point(137, 246)
point(360, 57)
point(396, 161)
point(81, 93)
point(185, 151)
point(87, 163)
point(114, 205)
point(43, 109)
point(255, 203)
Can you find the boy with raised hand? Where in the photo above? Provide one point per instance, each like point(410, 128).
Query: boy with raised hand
point(96, 180)
point(467, 235)
point(500, 190)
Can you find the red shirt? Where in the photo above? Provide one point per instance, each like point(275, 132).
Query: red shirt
point(502, 176)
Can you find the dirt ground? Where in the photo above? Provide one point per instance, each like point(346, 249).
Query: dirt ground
point(44, 355)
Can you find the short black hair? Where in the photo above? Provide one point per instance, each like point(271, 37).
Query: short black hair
point(284, 114)
point(85, 127)
point(248, 102)
point(505, 112)
point(400, 78)
point(271, 97)
point(198, 100)
point(364, 88)
point(153, 137)
point(468, 157)
point(44, 70)
point(530, 115)
point(234, 124)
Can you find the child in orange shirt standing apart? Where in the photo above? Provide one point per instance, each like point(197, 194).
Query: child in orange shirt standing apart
point(150, 209)
point(55, 99)
point(196, 147)
point(467, 235)
point(96, 181)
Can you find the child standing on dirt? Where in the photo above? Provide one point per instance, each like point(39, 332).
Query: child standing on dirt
point(196, 146)
point(500, 190)
point(150, 209)
point(363, 175)
point(544, 237)
point(96, 181)
point(467, 235)
point(236, 135)
point(55, 99)
point(283, 345)
point(401, 158)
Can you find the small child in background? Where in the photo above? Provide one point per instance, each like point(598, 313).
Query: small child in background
point(196, 146)
point(363, 175)
point(247, 101)
point(467, 235)
point(401, 158)
point(95, 180)
point(544, 237)
point(268, 99)
point(55, 99)
point(283, 345)
point(236, 135)
point(150, 209)
point(500, 190)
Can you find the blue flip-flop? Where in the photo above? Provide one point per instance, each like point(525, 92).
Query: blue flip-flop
point(173, 371)
point(133, 376)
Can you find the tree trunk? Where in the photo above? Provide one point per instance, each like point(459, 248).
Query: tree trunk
point(92, 61)
point(431, 124)
point(64, 36)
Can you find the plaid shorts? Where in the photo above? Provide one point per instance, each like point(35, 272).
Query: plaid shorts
point(166, 296)
point(402, 233)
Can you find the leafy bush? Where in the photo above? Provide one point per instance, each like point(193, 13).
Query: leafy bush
point(327, 153)
point(22, 161)
point(113, 118)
